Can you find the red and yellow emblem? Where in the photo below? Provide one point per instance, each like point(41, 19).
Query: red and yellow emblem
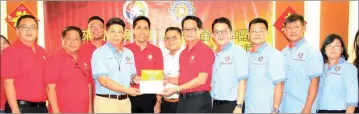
point(20, 10)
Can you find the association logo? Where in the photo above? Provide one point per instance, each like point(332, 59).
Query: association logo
point(133, 9)
point(180, 9)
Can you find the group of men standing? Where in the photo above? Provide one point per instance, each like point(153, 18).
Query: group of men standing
point(103, 77)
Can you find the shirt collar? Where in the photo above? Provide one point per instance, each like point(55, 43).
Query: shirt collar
point(196, 45)
point(259, 49)
point(112, 48)
point(227, 46)
point(297, 44)
point(21, 44)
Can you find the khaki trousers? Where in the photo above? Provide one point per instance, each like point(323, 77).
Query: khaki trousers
point(109, 105)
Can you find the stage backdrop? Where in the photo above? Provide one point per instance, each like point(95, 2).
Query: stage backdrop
point(162, 14)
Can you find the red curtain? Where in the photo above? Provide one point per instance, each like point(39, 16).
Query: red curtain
point(59, 14)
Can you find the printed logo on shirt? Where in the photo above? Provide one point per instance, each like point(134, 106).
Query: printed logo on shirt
point(228, 61)
point(337, 68)
point(300, 57)
point(85, 66)
point(149, 57)
point(44, 57)
point(259, 61)
point(191, 59)
point(128, 60)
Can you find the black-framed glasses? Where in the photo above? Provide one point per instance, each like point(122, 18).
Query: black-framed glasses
point(173, 38)
point(27, 28)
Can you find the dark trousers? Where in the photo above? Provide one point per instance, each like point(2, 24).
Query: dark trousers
point(28, 107)
point(168, 107)
point(143, 103)
point(331, 111)
point(201, 102)
point(220, 106)
point(356, 109)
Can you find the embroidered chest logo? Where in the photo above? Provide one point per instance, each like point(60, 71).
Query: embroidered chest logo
point(150, 57)
point(44, 57)
point(300, 57)
point(85, 66)
point(228, 60)
point(259, 61)
point(128, 60)
point(337, 68)
point(191, 59)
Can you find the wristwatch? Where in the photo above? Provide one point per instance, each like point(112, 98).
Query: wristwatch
point(239, 105)
point(275, 110)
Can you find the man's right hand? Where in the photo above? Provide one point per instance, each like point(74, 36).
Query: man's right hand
point(133, 91)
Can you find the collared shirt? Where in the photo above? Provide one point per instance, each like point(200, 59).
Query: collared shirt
point(193, 61)
point(25, 65)
point(266, 69)
point(171, 67)
point(303, 62)
point(150, 58)
point(71, 81)
point(230, 67)
point(338, 87)
point(118, 66)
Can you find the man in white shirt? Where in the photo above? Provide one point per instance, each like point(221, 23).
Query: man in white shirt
point(173, 43)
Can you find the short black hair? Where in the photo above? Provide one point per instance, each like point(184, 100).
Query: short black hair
point(24, 17)
point(258, 20)
point(175, 29)
point(69, 28)
point(115, 20)
point(6, 40)
point(330, 39)
point(293, 18)
point(194, 18)
point(96, 18)
point(222, 20)
point(356, 49)
point(138, 18)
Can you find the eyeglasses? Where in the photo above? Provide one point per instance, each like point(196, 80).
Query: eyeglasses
point(173, 38)
point(261, 31)
point(27, 28)
point(190, 30)
point(224, 32)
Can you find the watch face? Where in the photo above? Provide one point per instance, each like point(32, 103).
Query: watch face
point(239, 105)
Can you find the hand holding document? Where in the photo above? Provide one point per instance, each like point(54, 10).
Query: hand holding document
point(151, 82)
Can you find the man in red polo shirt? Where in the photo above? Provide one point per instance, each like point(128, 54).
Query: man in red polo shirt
point(195, 74)
point(67, 82)
point(96, 29)
point(147, 57)
point(22, 69)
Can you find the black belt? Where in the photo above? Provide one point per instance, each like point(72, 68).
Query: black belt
point(192, 94)
point(33, 104)
point(118, 97)
point(222, 102)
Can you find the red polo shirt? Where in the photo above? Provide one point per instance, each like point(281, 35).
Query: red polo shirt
point(199, 59)
point(149, 58)
point(2, 95)
point(71, 81)
point(85, 53)
point(21, 63)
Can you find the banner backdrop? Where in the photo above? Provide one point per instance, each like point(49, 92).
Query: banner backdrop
point(162, 14)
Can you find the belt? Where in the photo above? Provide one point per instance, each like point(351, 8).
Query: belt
point(28, 103)
point(118, 97)
point(222, 102)
point(171, 100)
point(192, 94)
